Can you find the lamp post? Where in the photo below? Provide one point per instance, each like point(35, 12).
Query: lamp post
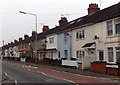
point(35, 29)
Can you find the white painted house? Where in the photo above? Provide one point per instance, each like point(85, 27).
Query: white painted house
point(52, 42)
point(51, 46)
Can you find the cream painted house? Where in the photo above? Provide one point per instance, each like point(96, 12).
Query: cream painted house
point(97, 38)
point(84, 55)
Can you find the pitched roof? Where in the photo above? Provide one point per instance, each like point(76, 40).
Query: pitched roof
point(99, 16)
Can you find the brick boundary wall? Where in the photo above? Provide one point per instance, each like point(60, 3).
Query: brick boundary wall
point(101, 68)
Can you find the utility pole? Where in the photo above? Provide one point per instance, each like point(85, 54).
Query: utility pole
point(35, 30)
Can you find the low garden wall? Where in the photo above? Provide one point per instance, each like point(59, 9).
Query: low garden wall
point(103, 67)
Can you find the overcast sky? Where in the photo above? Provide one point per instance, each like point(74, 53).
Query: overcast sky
point(14, 24)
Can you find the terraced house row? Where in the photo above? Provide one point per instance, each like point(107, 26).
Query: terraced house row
point(89, 42)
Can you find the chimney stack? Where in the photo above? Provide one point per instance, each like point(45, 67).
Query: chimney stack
point(45, 28)
point(63, 21)
point(26, 36)
point(93, 7)
point(34, 33)
point(20, 39)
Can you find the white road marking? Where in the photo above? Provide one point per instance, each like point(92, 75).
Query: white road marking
point(28, 69)
point(44, 74)
point(5, 74)
point(15, 82)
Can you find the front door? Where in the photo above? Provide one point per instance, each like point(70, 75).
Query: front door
point(101, 55)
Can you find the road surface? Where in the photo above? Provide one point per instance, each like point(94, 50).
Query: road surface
point(24, 73)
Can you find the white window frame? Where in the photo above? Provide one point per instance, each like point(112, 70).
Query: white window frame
point(117, 50)
point(109, 51)
point(108, 25)
point(116, 22)
point(51, 40)
point(80, 54)
point(80, 34)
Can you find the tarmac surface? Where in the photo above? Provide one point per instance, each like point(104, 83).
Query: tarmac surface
point(74, 75)
point(78, 71)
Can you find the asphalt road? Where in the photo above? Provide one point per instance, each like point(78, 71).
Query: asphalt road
point(28, 74)
point(22, 75)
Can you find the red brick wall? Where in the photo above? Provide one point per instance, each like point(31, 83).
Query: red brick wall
point(98, 67)
point(101, 67)
point(112, 71)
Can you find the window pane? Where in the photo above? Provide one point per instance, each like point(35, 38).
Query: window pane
point(80, 54)
point(110, 55)
point(109, 28)
point(51, 40)
point(77, 54)
point(81, 34)
point(118, 56)
point(66, 53)
point(117, 27)
point(77, 35)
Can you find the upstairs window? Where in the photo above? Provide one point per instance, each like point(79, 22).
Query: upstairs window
point(109, 28)
point(117, 26)
point(80, 35)
point(51, 40)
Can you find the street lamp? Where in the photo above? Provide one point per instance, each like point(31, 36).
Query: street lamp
point(36, 29)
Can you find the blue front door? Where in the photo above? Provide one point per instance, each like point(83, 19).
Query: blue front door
point(101, 55)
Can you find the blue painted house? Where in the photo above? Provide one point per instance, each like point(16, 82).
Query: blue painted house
point(64, 45)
